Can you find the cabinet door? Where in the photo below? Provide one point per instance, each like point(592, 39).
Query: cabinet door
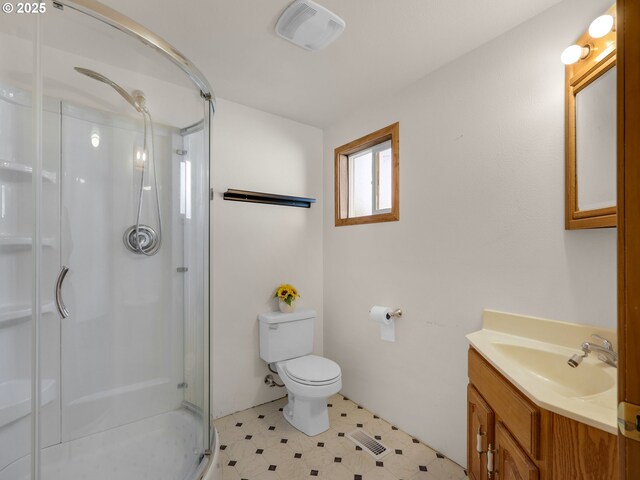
point(479, 433)
point(512, 462)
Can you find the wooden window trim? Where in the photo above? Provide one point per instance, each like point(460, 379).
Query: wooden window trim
point(341, 176)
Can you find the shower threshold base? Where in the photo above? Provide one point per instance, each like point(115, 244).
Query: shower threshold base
point(160, 448)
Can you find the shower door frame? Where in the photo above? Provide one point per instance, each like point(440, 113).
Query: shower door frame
point(123, 23)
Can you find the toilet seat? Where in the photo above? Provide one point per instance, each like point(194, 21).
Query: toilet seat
point(312, 370)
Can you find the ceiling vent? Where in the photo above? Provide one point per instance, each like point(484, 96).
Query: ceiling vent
point(309, 25)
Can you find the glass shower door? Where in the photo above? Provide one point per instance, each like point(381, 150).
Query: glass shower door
point(121, 348)
point(29, 255)
point(17, 137)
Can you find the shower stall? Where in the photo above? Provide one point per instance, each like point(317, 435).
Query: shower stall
point(104, 244)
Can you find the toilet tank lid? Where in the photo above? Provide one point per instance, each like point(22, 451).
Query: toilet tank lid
point(279, 317)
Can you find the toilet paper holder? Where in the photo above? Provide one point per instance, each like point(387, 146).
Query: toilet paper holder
point(397, 313)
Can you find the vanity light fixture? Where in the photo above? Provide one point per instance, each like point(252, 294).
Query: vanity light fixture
point(574, 53)
point(601, 26)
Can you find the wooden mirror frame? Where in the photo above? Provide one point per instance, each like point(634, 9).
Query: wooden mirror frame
point(601, 59)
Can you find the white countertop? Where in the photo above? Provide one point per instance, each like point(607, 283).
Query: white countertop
point(532, 352)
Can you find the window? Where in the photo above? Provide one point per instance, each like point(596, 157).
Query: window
point(366, 179)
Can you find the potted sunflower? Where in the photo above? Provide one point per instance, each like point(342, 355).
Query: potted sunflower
point(286, 295)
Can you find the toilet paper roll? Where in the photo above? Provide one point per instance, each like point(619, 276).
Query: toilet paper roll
point(381, 315)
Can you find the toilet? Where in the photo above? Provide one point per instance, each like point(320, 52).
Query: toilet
point(286, 342)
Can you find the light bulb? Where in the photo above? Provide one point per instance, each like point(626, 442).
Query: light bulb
point(573, 53)
point(95, 140)
point(601, 26)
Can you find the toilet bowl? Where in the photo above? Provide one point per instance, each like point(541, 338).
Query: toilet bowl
point(286, 341)
point(310, 380)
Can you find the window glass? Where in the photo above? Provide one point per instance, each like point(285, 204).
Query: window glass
point(366, 176)
point(361, 184)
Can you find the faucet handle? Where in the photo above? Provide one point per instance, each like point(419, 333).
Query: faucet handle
point(605, 343)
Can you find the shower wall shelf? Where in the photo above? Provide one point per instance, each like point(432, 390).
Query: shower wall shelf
point(22, 241)
point(18, 168)
point(269, 198)
point(15, 398)
point(12, 315)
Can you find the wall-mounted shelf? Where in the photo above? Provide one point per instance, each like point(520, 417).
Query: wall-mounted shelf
point(270, 198)
point(15, 398)
point(12, 315)
point(25, 170)
point(22, 241)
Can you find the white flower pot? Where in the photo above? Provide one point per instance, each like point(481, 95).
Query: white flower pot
point(284, 308)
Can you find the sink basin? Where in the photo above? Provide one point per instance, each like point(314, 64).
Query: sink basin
point(588, 379)
point(532, 354)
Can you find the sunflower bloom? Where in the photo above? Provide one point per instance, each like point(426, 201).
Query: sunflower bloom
point(287, 293)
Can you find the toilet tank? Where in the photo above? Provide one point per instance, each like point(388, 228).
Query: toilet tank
point(286, 335)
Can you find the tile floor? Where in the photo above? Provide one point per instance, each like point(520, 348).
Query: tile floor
point(259, 444)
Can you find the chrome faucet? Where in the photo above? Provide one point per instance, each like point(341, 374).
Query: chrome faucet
point(604, 352)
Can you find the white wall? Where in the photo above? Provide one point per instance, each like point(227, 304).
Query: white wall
point(256, 247)
point(482, 225)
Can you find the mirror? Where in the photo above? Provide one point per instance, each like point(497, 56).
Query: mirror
point(591, 135)
point(596, 143)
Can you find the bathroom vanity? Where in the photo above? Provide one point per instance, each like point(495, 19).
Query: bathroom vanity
point(530, 415)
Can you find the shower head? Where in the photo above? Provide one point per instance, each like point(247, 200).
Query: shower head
point(98, 76)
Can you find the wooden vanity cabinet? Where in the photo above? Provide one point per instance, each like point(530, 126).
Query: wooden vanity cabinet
point(528, 442)
point(511, 463)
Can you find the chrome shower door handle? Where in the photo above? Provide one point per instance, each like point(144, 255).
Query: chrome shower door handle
point(62, 310)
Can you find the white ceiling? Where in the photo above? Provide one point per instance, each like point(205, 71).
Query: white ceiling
point(387, 45)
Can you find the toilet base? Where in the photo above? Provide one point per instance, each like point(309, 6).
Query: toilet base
point(309, 415)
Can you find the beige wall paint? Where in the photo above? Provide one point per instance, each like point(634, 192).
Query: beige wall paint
point(482, 226)
point(255, 247)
